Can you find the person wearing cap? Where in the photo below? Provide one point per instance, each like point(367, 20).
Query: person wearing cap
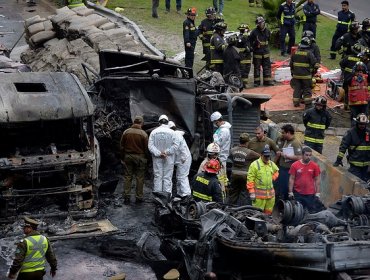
point(301, 64)
point(291, 151)
point(260, 141)
point(205, 185)
point(190, 34)
point(31, 254)
point(356, 142)
point(134, 152)
point(316, 120)
point(205, 33)
point(182, 162)
point(261, 174)
point(304, 181)
point(222, 137)
point(345, 18)
point(163, 144)
point(173, 274)
point(241, 158)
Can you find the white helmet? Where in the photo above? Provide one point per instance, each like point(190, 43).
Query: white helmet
point(163, 117)
point(171, 124)
point(213, 148)
point(216, 116)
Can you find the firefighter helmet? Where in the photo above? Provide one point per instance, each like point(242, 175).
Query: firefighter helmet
point(243, 26)
point(220, 26)
point(210, 11)
point(213, 148)
point(232, 39)
point(320, 100)
point(308, 33)
point(305, 43)
point(361, 118)
point(355, 25)
point(366, 24)
point(260, 20)
point(212, 166)
point(191, 11)
point(359, 66)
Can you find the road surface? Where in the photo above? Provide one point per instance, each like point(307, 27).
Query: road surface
point(361, 8)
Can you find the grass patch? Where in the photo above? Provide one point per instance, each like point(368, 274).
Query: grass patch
point(235, 12)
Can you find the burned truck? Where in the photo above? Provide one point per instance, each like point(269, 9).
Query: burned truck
point(48, 152)
point(130, 84)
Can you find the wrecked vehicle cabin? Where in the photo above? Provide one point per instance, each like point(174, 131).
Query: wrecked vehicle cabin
point(132, 84)
point(48, 152)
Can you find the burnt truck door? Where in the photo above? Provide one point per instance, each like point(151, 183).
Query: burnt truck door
point(48, 153)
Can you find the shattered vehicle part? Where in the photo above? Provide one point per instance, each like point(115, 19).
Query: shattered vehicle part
point(48, 152)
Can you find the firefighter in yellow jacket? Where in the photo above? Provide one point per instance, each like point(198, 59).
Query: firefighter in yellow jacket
point(31, 255)
point(261, 173)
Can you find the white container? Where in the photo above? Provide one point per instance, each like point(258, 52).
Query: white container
point(332, 75)
point(282, 74)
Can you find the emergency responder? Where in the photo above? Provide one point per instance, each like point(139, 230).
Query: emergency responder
point(205, 185)
point(31, 254)
point(365, 33)
point(304, 181)
point(261, 174)
point(302, 65)
point(345, 42)
point(222, 138)
point(259, 39)
point(163, 144)
point(182, 163)
point(213, 152)
point(190, 35)
point(314, 47)
point(356, 142)
point(347, 64)
point(286, 20)
point(217, 47)
point(311, 10)
point(232, 60)
point(345, 18)
point(316, 120)
point(244, 48)
point(134, 151)
point(74, 3)
point(205, 30)
point(291, 151)
point(260, 141)
point(358, 94)
point(241, 158)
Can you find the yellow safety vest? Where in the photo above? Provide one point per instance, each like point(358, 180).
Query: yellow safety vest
point(37, 245)
point(75, 3)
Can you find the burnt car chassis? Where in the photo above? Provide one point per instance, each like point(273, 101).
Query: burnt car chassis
point(243, 243)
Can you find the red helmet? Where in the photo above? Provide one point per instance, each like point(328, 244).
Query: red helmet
point(191, 11)
point(213, 166)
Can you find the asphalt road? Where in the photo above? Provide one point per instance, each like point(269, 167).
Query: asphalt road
point(361, 8)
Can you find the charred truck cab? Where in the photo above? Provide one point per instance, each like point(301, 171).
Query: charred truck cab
point(48, 152)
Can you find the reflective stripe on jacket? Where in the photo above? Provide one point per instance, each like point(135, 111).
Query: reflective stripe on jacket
point(37, 245)
point(260, 178)
point(316, 122)
point(301, 64)
point(358, 93)
point(286, 14)
point(217, 48)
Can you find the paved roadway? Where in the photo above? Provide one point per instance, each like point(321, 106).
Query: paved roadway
point(361, 8)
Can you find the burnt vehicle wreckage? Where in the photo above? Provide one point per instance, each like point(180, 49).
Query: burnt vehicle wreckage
point(48, 151)
point(243, 243)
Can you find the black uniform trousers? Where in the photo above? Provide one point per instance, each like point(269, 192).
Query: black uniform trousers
point(34, 275)
point(360, 172)
point(189, 55)
point(315, 146)
point(284, 30)
point(336, 36)
point(310, 26)
point(264, 61)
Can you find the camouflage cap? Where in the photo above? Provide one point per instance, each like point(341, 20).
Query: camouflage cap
point(244, 137)
point(173, 274)
point(30, 222)
point(120, 276)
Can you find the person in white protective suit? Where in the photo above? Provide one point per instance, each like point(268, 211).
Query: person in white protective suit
point(182, 162)
point(163, 144)
point(222, 137)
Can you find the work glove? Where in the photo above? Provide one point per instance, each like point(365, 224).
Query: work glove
point(338, 162)
point(291, 195)
point(252, 196)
